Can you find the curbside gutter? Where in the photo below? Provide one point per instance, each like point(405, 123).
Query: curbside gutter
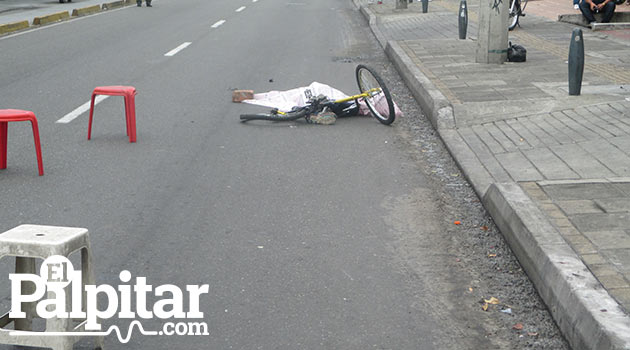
point(586, 314)
point(13, 27)
point(84, 11)
point(55, 17)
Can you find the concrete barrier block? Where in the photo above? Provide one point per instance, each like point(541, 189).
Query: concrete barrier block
point(113, 5)
point(84, 11)
point(13, 27)
point(55, 17)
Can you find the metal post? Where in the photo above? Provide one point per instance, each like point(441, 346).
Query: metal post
point(576, 62)
point(463, 19)
point(425, 6)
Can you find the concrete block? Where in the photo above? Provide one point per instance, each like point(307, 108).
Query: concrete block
point(13, 27)
point(84, 11)
point(114, 4)
point(55, 17)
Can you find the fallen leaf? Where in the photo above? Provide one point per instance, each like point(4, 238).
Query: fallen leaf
point(532, 334)
point(518, 326)
point(485, 307)
point(491, 255)
point(493, 301)
point(470, 289)
point(485, 228)
point(457, 222)
point(458, 259)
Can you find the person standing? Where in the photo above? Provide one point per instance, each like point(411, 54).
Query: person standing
point(590, 7)
point(148, 3)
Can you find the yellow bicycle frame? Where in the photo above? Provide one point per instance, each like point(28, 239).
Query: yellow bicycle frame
point(368, 93)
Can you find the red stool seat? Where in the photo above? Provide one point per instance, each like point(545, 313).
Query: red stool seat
point(129, 92)
point(16, 115)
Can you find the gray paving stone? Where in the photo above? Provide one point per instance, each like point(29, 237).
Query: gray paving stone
point(613, 130)
point(609, 239)
point(523, 132)
point(543, 123)
point(536, 130)
point(519, 167)
point(587, 123)
point(609, 155)
point(549, 164)
point(485, 156)
point(581, 162)
point(600, 222)
point(614, 205)
point(490, 142)
point(585, 132)
point(623, 143)
point(621, 127)
point(567, 129)
point(516, 139)
point(581, 191)
point(579, 207)
point(500, 137)
point(620, 258)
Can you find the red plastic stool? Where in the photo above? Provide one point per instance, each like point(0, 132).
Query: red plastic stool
point(129, 92)
point(15, 115)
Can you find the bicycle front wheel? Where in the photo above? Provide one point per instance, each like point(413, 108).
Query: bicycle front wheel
point(515, 11)
point(379, 100)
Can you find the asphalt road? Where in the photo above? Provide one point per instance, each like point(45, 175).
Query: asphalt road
point(309, 236)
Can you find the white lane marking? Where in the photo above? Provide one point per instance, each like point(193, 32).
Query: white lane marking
point(254, 0)
point(218, 24)
point(81, 109)
point(174, 51)
point(240, 9)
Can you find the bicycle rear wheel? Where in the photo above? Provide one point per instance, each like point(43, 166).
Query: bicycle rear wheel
point(515, 12)
point(380, 101)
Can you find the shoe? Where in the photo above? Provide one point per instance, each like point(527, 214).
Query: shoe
point(149, 5)
point(576, 7)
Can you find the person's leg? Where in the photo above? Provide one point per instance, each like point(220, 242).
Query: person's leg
point(139, 2)
point(608, 11)
point(148, 3)
point(586, 12)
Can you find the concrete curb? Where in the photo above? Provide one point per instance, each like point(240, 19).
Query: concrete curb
point(586, 314)
point(430, 97)
point(13, 27)
point(84, 11)
point(114, 4)
point(55, 17)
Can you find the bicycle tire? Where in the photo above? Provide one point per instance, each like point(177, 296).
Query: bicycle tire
point(514, 13)
point(368, 79)
point(274, 117)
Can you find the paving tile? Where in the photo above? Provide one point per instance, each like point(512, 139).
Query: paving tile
point(550, 165)
point(524, 133)
point(609, 239)
point(614, 205)
point(588, 123)
point(603, 222)
point(487, 139)
point(622, 295)
point(620, 258)
point(603, 270)
point(581, 162)
point(518, 166)
point(592, 259)
point(614, 281)
point(580, 207)
point(583, 191)
point(500, 137)
point(484, 155)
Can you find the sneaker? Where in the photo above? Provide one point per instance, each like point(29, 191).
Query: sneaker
point(576, 7)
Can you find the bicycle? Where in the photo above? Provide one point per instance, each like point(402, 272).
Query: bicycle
point(517, 9)
point(372, 91)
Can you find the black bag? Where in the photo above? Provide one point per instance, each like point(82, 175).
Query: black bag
point(516, 53)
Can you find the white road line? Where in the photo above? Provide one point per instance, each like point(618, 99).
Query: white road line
point(80, 110)
point(254, 0)
point(240, 9)
point(218, 24)
point(174, 51)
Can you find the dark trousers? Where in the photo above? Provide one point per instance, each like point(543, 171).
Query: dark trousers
point(607, 12)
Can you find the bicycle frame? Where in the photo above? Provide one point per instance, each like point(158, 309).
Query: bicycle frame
point(366, 94)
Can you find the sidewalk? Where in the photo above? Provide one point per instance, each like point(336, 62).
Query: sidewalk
point(553, 170)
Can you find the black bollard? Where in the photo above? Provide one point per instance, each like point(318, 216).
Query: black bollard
point(576, 62)
point(463, 19)
point(425, 6)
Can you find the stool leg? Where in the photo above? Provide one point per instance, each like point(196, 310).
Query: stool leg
point(3, 144)
point(132, 118)
point(26, 265)
point(91, 115)
point(127, 113)
point(38, 147)
point(88, 278)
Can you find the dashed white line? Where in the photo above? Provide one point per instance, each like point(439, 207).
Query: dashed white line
point(174, 51)
point(80, 110)
point(240, 9)
point(218, 24)
point(254, 0)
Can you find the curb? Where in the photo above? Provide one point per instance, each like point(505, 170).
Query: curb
point(585, 313)
point(13, 27)
point(84, 11)
point(55, 17)
point(430, 98)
